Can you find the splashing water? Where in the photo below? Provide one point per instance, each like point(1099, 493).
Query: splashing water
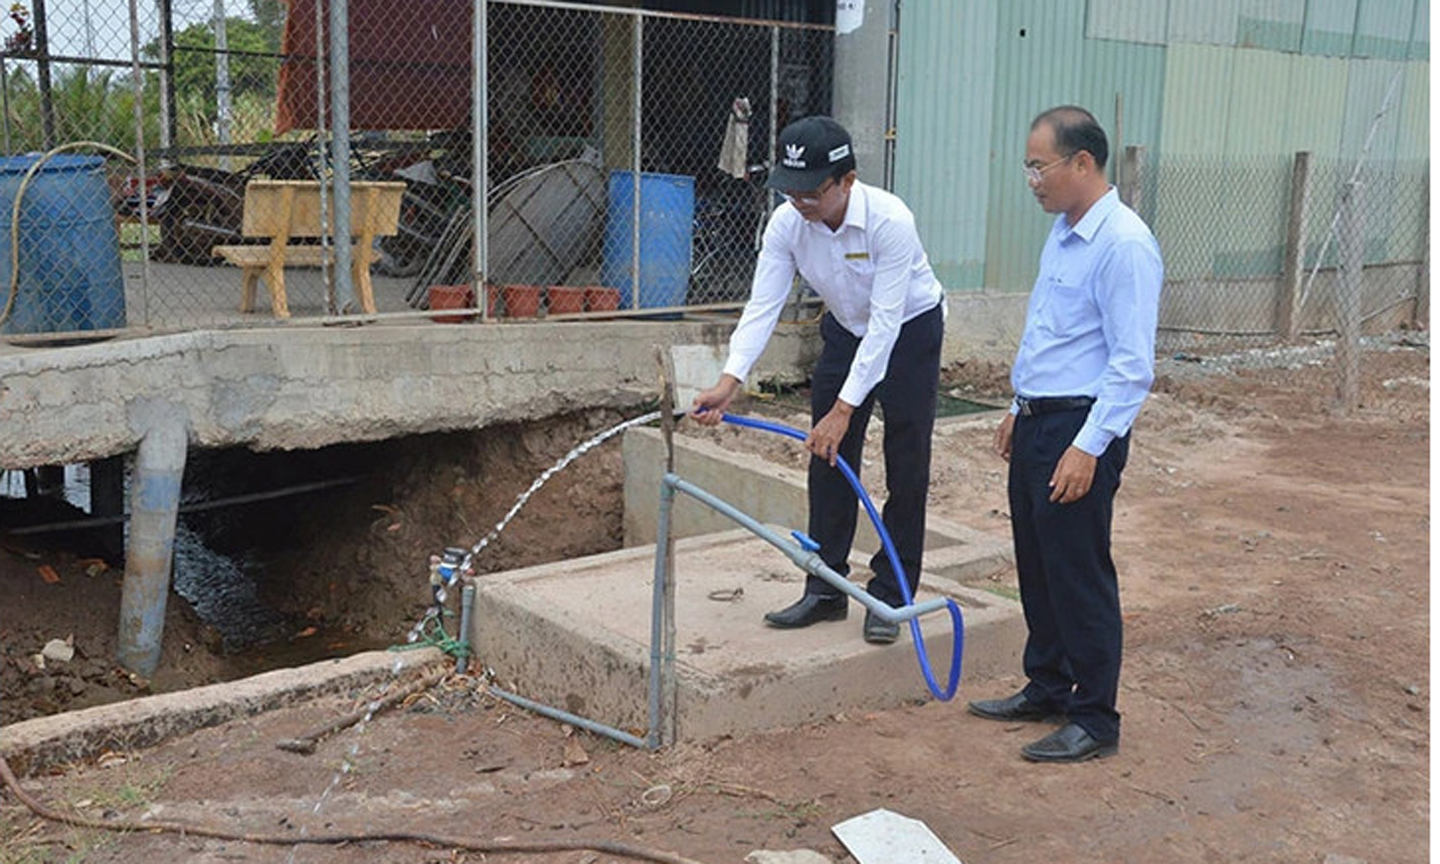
point(348, 763)
point(580, 450)
point(574, 454)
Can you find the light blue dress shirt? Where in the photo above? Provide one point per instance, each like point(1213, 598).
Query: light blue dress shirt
point(1090, 328)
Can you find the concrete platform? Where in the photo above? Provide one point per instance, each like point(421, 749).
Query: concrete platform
point(775, 494)
point(576, 635)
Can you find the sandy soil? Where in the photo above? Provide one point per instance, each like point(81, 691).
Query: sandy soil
point(1274, 562)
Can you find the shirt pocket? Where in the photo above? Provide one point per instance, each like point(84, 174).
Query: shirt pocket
point(860, 272)
point(1067, 308)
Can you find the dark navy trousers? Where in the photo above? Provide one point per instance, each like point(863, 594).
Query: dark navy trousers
point(1067, 578)
point(907, 396)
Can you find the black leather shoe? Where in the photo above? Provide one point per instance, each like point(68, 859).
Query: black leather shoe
point(1069, 743)
point(878, 631)
point(810, 610)
point(1013, 708)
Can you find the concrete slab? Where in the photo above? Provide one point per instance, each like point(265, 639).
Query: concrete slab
point(774, 494)
point(576, 635)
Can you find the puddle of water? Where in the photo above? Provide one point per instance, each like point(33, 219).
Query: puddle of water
point(223, 594)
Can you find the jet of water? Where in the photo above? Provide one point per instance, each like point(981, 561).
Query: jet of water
point(578, 451)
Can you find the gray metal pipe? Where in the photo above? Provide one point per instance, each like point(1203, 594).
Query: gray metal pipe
point(467, 609)
point(806, 560)
point(567, 717)
point(480, 154)
point(154, 505)
point(340, 153)
point(658, 663)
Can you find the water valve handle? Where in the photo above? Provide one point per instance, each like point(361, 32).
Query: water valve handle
point(805, 542)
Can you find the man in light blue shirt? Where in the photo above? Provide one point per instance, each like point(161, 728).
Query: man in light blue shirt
point(1085, 364)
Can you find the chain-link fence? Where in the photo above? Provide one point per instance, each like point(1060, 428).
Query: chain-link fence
point(1293, 258)
point(625, 153)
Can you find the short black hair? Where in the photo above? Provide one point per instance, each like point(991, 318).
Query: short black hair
point(1075, 129)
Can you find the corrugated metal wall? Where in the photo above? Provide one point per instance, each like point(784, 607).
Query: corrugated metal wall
point(1184, 78)
point(1039, 48)
point(946, 74)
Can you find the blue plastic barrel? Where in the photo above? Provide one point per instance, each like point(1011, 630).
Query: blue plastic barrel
point(70, 276)
point(667, 212)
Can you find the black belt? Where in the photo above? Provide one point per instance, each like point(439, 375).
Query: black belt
point(1052, 404)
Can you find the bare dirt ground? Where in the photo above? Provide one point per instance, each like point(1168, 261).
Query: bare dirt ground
point(1274, 565)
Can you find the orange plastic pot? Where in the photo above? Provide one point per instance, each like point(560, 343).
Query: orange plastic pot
point(451, 297)
point(522, 301)
point(601, 299)
point(564, 300)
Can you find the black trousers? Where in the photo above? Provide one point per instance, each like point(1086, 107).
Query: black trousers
point(907, 396)
point(1067, 578)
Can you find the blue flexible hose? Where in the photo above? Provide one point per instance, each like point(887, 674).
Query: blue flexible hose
point(948, 692)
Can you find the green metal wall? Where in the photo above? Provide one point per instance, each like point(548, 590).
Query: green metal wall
point(1220, 79)
point(945, 75)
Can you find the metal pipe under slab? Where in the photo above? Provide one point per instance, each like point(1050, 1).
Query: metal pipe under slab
point(572, 719)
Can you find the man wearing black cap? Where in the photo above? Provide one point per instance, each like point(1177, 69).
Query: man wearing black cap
point(857, 247)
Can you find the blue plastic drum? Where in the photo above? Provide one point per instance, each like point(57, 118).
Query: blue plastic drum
point(70, 276)
point(667, 214)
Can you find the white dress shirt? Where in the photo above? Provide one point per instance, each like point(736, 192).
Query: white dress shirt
point(872, 274)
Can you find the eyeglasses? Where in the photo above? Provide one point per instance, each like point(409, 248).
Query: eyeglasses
point(811, 197)
point(1036, 173)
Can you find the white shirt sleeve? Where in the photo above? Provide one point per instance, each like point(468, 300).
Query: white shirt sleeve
point(774, 275)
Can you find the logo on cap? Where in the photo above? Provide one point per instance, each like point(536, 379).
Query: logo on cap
point(839, 153)
point(793, 156)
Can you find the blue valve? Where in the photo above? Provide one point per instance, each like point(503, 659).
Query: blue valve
point(805, 542)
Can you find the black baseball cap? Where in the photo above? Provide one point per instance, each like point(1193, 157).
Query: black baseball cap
point(808, 151)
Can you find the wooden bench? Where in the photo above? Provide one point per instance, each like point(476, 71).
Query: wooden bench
point(284, 210)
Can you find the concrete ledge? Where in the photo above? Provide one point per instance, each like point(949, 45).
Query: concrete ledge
point(774, 494)
point(33, 745)
point(576, 635)
point(306, 386)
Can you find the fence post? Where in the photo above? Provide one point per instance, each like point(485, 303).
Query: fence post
point(222, 81)
point(340, 155)
point(1287, 312)
point(168, 108)
point(1129, 177)
point(1349, 294)
point(42, 73)
point(1420, 309)
point(638, 66)
point(5, 102)
point(480, 157)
